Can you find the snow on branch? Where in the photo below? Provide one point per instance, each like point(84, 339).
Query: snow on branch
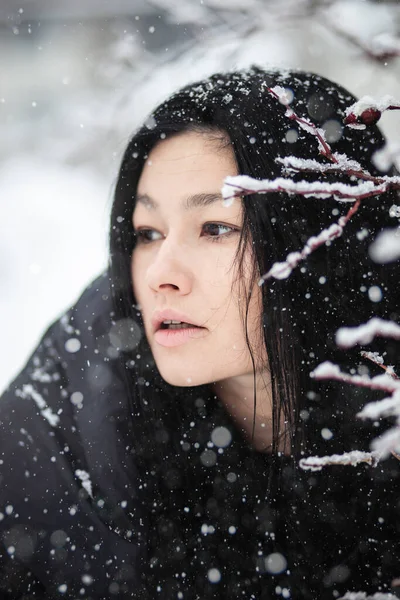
point(377, 359)
point(243, 185)
point(388, 407)
point(328, 370)
point(343, 164)
point(365, 112)
point(385, 45)
point(364, 596)
point(395, 210)
point(280, 93)
point(389, 442)
point(282, 270)
point(381, 47)
point(369, 186)
point(368, 111)
point(374, 357)
point(316, 463)
point(382, 159)
point(346, 337)
point(324, 148)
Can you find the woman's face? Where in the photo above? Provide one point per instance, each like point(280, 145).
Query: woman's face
point(184, 262)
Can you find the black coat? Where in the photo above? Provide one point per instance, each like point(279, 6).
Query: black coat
point(59, 417)
point(72, 524)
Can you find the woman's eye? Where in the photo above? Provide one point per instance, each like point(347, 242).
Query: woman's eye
point(146, 236)
point(214, 231)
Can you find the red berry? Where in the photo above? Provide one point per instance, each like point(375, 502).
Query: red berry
point(370, 116)
point(351, 118)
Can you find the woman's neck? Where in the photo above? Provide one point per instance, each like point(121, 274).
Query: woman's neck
point(237, 395)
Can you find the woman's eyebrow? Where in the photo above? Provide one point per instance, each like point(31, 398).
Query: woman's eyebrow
point(193, 201)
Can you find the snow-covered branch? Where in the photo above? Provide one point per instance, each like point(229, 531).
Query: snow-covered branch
point(382, 46)
point(360, 113)
point(389, 442)
point(324, 148)
point(374, 357)
point(377, 359)
point(343, 164)
point(368, 111)
point(384, 382)
point(388, 407)
point(243, 185)
point(346, 337)
point(282, 270)
point(364, 596)
point(316, 463)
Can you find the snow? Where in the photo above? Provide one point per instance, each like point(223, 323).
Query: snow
point(328, 370)
point(374, 357)
point(72, 345)
point(367, 102)
point(40, 374)
point(214, 575)
point(386, 247)
point(316, 463)
point(275, 563)
point(385, 43)
point(56, 176)
point(346, 337)
point(52, 242)
point(343, 163)
point(371, 23)
point(281, 94)
point(387, 156)
point(282, 270)
point(382, 408)
point(284, 96)
point(342, 192)
point(28, 391)
point(221, 437)
point(394, 211)
point(364, 596)
point(85, 480)
point(388, 442)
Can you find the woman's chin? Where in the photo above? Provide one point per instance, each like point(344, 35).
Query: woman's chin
point(179, 380)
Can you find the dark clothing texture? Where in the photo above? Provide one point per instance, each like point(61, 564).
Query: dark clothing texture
point(58, 422)
point(73, 523)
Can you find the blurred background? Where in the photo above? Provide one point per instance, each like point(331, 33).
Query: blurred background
point(76, 78)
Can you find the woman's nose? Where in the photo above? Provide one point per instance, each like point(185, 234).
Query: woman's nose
point(170, 270)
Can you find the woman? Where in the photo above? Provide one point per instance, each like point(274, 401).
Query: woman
point(151, 445)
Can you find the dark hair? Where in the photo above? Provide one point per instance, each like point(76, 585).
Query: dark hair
point(300, 314)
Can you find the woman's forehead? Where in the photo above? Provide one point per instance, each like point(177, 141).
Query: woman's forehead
point(188, 147)
point(187, 167)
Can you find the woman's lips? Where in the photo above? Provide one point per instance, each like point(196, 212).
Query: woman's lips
point(169, 338)
point(169, 314)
